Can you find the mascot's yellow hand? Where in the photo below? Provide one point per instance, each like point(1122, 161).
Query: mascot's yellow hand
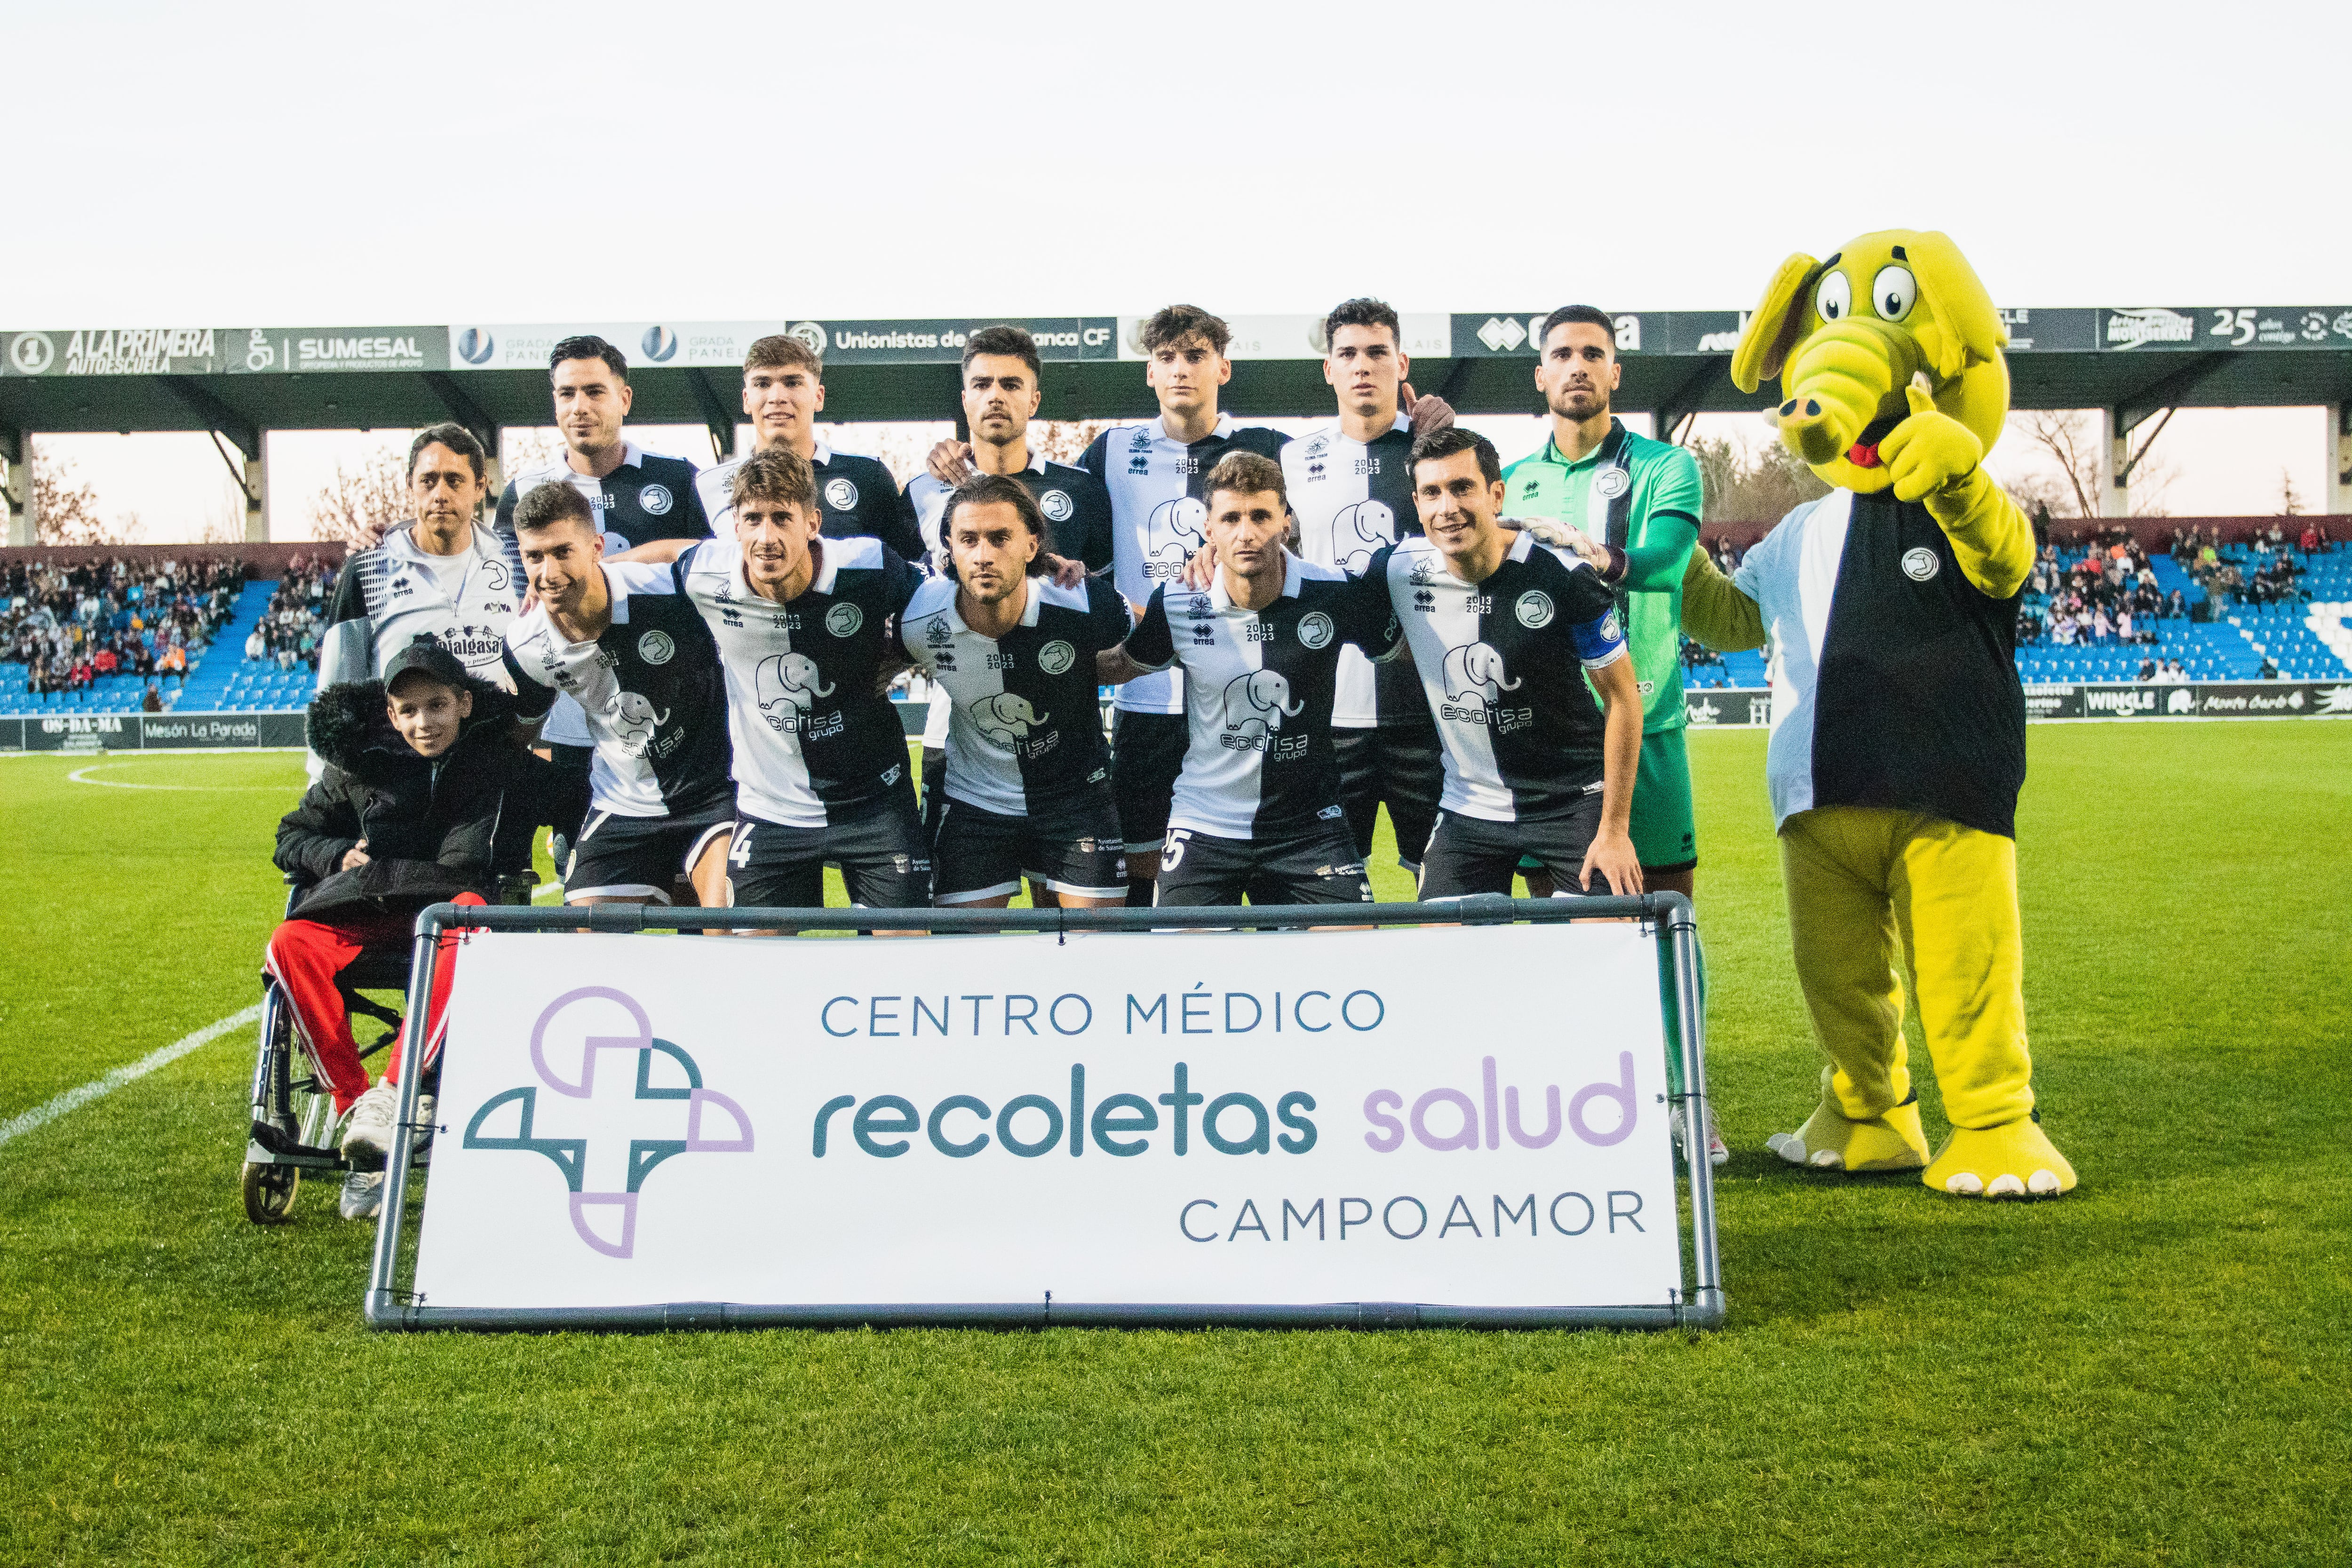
point(1928, 450)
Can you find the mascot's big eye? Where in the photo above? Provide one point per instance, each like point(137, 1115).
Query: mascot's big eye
point(1833, 297)
point(1894, 291)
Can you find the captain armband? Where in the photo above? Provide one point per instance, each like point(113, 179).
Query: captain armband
point(1599, 643)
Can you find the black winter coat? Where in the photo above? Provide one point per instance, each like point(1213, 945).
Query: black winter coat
point(435, 827)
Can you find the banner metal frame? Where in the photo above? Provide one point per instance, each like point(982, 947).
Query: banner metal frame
point(1701, 1306)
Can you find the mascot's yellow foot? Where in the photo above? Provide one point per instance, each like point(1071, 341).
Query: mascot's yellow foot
point(2013, 1160)
point(1830, 1140)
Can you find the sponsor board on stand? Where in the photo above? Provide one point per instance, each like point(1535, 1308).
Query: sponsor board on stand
point(1717, 708)
point(304, 351)
point(1084, 1117)
point(151, 732)
point(1720, 707)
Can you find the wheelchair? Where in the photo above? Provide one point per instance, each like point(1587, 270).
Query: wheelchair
point(293, 1109)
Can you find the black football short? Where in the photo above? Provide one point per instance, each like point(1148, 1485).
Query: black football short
point(1073, 848)
point(878, 844)
point(1147, 752)
point(1314, 864)
point(1471, 854)
point(1401, 766)
point(641, 857)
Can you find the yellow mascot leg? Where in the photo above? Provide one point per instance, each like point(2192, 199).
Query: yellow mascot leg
point(1954, 900)
point(1837, 861)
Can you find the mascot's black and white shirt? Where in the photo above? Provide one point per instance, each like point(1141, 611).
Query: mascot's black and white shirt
point(1893, 677)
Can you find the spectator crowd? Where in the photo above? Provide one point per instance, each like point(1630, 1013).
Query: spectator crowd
point(69, 626)
point(2110, 596)
point(2198, 552)
point(290, 630)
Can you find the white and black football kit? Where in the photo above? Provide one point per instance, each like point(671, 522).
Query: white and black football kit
point(397, 591)
point(1028, 783)
point(656, 708)
point(1077, 528)
point(1353, 500)
point(1502, 667)
point(1256, 808)
point(648, 497)
point(820, 756)
point(856, 498)
point(1157, 485)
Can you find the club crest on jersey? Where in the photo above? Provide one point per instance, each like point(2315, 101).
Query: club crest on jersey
point(656, 499)
point(843, 620)
point(1315, 630)
point(1057, 505)
point(1921, 565)
point(840, 494)
point(1057, 656)
point(1612, 483)
point(655, 648)
point(1534, 609)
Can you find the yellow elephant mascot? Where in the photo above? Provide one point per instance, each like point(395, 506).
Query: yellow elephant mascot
point(1898, 726)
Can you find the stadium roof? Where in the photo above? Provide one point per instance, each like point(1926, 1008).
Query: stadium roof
point(241, 381)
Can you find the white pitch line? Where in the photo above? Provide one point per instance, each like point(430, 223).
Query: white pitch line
point(76, 777)
point(74, 1098)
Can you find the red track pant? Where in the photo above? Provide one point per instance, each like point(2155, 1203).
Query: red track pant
point(307, 955)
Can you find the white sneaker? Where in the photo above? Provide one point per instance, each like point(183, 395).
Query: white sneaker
point(1718, 1151)
point(424, 1138)
point(367, 1131)
point(362, 1194)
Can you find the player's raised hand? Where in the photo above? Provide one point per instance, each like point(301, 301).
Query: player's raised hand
point(1425, 414)
point(950, 462)
point(1201, 569)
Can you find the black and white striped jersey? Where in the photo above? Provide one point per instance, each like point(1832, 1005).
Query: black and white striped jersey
point(390, 596)
point(1076, 504)
point(856, 498)
point(648, 688)
point(1026, 725)
point(1502, 667)
point(1353, 500)
point(1258, 690)
point(648, 497)
point(810, 731)
point(1155, 483)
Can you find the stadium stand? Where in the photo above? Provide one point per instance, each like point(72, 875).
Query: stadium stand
point(92, 637)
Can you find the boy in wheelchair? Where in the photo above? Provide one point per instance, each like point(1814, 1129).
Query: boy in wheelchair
point(428, 796)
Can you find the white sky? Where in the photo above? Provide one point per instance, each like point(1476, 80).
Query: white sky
point(307, 164)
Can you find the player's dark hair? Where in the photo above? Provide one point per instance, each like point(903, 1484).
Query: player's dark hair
point(781, 351)
point(1013, 342)
point(995, 489)
point(458, 439)
point(1247, 474)
point(1444, 443)
point(776, 474)
point(589, 346)
point(544, 506)
point(1172, 326)
point(1363, 312)
point(1583, 315)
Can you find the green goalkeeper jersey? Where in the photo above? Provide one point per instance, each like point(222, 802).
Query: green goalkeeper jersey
point(1642, 496)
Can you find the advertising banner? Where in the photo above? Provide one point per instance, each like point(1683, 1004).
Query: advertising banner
point(1471, 1116)
point(260, 351)
point(1716, 706)
point(153, 732)
point(2202, 327)
point(116, 350)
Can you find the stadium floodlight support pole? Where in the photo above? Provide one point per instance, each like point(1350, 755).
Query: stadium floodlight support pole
point(2114, 465)
point(1701, 1307)
point(16, 480)
point(2339, 458)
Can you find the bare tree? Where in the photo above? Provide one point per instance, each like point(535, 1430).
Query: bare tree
point(520, 448)
point(1066, 440)
point(1761, 483)
point(65, 513)
point(2067, 440)
point(363, 501)
point(2290, 498)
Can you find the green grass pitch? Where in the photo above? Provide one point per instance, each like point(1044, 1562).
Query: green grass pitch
point(2152, 1370)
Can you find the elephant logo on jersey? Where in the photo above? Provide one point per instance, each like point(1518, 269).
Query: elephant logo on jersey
point(1359, 532)
point(1173, 534)
point(1256, 706)
point(1006, 718)
point(1476, 669)
point(787, 688)
point(633, 721)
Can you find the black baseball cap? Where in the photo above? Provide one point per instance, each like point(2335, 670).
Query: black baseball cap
point(426, 657)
